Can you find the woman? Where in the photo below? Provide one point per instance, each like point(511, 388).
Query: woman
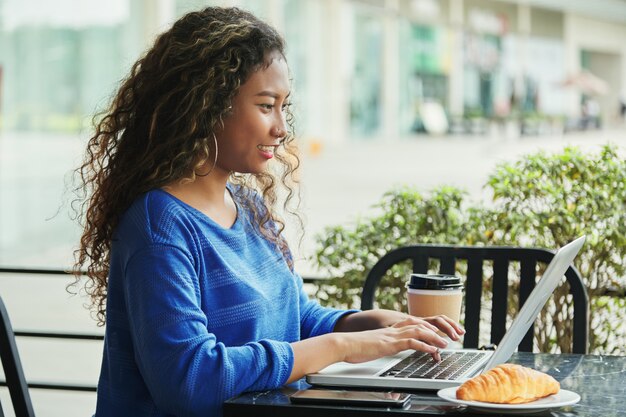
point(184, 251)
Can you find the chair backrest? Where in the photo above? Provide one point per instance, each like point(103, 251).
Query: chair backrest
point(475, 257)
point(12, 366)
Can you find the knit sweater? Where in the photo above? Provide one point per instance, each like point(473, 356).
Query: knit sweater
point(197, 313)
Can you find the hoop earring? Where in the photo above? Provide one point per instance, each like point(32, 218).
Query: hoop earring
point(214, 160)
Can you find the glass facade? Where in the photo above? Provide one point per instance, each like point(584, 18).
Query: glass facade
point(483, 61)
point(427, 68)
point(303, 65)
point(57, 71)
point(56, 76)
point(366, 79)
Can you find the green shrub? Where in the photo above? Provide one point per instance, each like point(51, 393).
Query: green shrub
point(540, 200)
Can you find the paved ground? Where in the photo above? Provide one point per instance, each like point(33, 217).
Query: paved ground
point(340, 183)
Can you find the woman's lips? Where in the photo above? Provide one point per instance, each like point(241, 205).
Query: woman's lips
point(267, 150)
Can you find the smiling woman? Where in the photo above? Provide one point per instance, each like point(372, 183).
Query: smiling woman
point(185, 255)
point(252, 132)
point(257, 121)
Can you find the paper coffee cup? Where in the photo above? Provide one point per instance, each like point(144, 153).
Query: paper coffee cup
point(435, 294)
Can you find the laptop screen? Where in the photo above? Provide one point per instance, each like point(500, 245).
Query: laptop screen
point(535, 302)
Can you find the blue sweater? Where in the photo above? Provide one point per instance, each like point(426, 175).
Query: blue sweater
point(196, 313)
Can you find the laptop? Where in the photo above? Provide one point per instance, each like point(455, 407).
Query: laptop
point(417, 370)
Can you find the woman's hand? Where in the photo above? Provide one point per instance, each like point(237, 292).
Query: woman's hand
point(372, 344)
point(442, 323)
point(446, 325)
point(315, 353)
point(374, 319)
point(372, 334)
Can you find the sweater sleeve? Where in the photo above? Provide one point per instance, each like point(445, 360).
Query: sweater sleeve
point(187, 371)
point(316, 320)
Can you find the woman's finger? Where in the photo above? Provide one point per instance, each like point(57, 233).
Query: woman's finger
point(447, 325)
point(457, 327)
point(412, 321)
point(423, 334)
point(424, 347)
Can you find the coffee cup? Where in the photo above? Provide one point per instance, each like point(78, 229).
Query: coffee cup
point(435, 294)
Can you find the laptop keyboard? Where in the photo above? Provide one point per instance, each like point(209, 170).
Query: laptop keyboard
point(422, 365)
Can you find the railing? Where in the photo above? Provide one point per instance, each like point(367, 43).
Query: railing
point(51, 335)
point(100, 337)
point(64, 335)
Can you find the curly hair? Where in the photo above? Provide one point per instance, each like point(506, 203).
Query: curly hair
point(159, 129)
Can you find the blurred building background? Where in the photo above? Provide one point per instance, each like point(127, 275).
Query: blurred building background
point(365, 67)
point(418, 92)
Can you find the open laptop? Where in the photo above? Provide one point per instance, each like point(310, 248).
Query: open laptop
point(417, 370)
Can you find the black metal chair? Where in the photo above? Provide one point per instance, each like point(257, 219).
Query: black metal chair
point(12, 366)
point(475, 257)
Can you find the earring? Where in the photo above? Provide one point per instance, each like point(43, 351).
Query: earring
point(214, 160)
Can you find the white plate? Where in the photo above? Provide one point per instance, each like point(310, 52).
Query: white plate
point(560, 399)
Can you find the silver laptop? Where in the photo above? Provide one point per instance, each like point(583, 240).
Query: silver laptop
point(417, 370)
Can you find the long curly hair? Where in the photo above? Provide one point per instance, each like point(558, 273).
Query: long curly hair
point(159, 129)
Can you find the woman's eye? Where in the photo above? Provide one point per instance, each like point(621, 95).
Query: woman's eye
point(285, 106)
point(267, 107)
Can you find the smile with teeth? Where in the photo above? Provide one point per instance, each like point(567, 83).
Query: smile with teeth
point(267, 148)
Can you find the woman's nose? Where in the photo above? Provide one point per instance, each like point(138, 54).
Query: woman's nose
point(277, 132)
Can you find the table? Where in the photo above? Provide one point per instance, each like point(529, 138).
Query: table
point(600, 381)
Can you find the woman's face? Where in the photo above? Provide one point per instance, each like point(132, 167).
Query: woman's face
point(254, 128)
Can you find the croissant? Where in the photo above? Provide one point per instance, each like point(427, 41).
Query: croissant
point(508, 384)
